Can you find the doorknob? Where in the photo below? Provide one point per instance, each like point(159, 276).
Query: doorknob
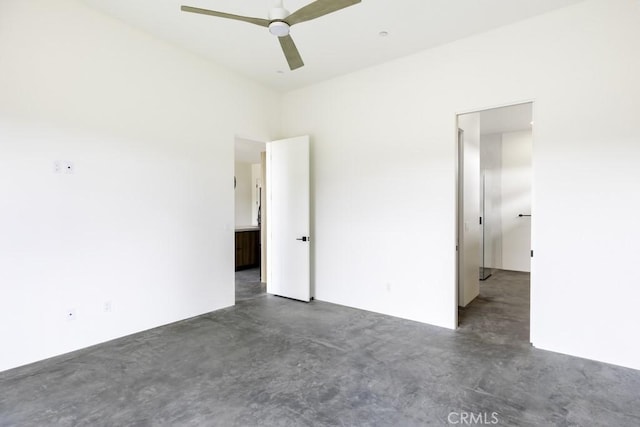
point(304, 238)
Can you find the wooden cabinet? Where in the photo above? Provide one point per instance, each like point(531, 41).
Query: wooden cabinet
point(247, 249)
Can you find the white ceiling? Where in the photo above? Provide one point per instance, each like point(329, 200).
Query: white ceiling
point(331, 45)
point(248, 151)
point(506, 119)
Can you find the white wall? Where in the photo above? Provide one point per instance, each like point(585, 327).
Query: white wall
point(516, 200)
point(247, 176)
point(256, 185)
point(383, 167)
point(469, 209)
point(243, 194)
point(506, 165)
point(146, 220)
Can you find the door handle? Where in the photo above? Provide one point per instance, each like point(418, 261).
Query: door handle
point(304, 238)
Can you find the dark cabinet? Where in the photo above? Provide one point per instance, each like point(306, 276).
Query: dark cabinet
point(247, 249)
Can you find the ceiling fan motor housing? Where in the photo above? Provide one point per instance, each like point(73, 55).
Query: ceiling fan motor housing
point(278, 27)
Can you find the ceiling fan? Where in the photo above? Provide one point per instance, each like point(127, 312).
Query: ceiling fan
point(280, 20)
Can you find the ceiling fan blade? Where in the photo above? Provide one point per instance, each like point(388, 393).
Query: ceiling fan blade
point(291, 52)
point(317, 9)
point(257, 21)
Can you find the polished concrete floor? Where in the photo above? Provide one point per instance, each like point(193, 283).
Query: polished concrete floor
point(248, 285)
point(500, 314)
point(270, 361)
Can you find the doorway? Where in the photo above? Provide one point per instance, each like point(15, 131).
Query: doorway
point(494, 221)
point(249, 192)
point(273, 238)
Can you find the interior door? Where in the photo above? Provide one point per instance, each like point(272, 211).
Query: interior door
point(288, 238)
point(469, 208)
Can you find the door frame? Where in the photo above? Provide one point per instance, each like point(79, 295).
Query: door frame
point(459, 159)
point(458, 207)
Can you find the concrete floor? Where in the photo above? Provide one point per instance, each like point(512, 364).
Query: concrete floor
point(500, 314)
point(275, 362)
point(248, 285)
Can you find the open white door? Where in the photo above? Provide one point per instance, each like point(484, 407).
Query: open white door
point(469, 208)
point(288, 239)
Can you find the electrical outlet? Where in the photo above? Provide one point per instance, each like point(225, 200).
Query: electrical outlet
point(63, 166)
point(108, 307)
point(71, 314)
point(68, 167)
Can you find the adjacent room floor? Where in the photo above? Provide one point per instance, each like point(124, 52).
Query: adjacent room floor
point(248, 285)
point(500, 313)
point(276, 362)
